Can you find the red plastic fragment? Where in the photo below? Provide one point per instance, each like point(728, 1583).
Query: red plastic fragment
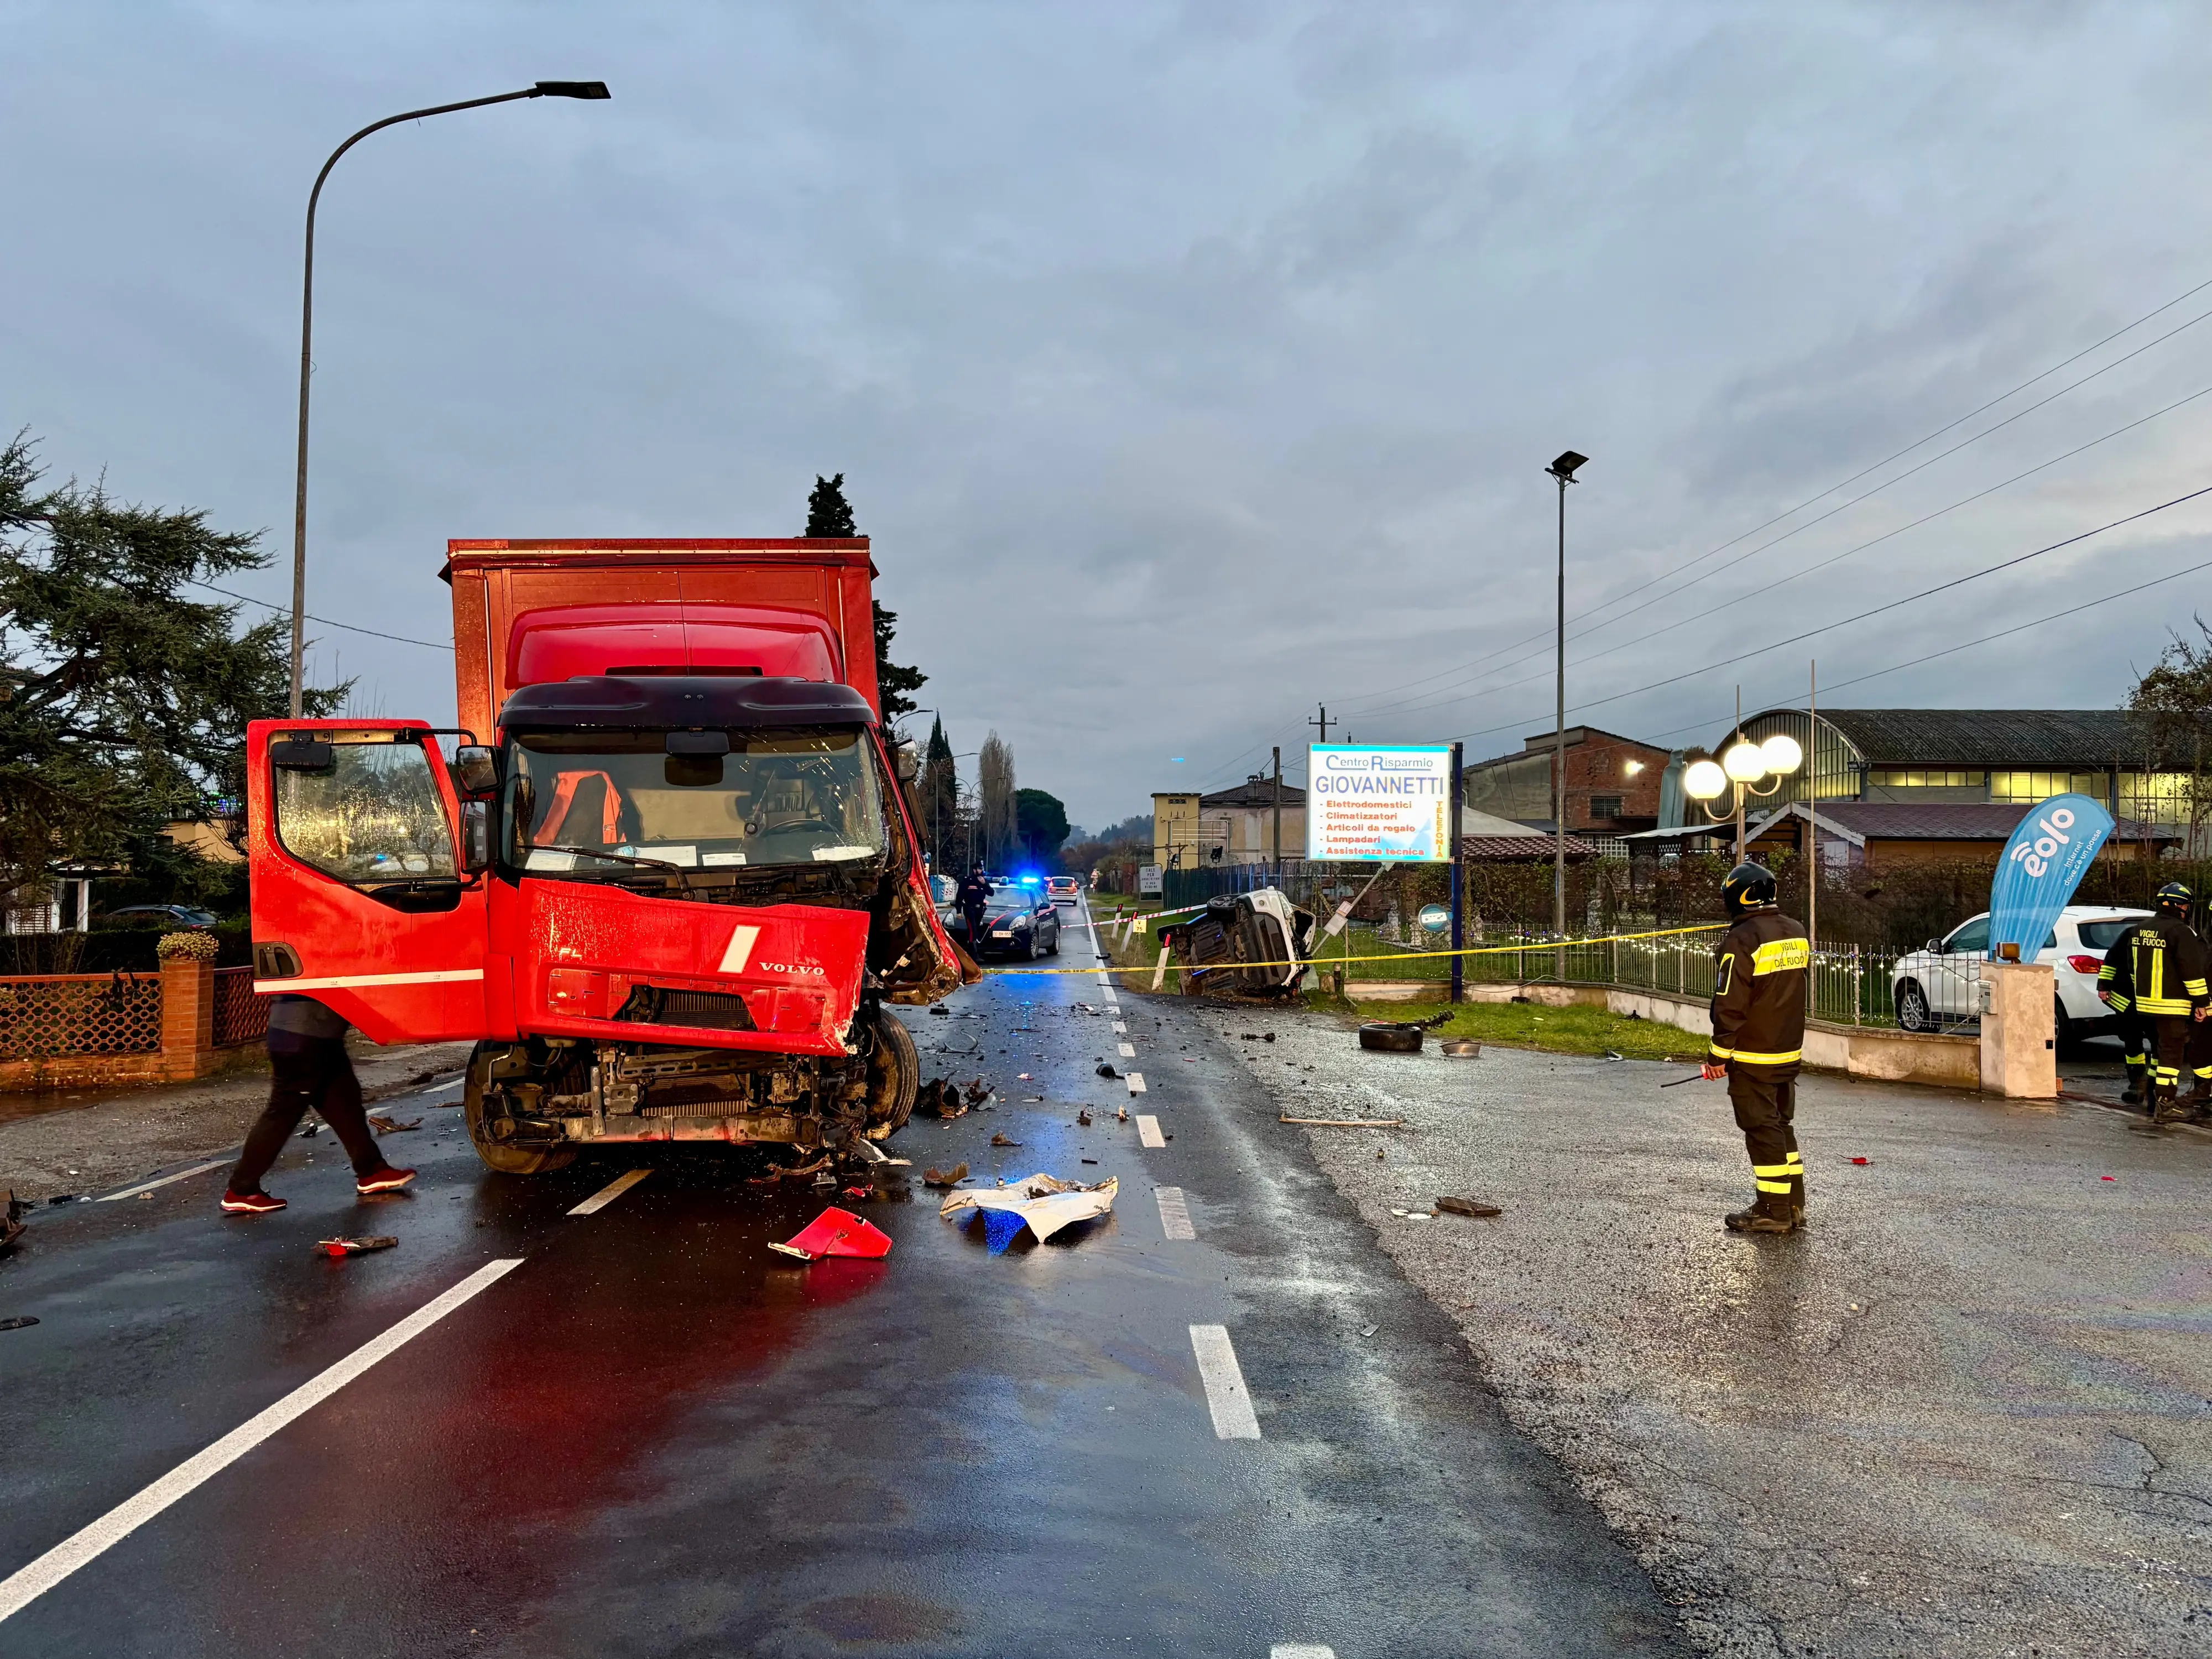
point(2104, 1177)
point(836, 1232)
point(1858, 1160)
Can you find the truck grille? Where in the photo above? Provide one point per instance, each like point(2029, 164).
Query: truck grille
point(714, 1010)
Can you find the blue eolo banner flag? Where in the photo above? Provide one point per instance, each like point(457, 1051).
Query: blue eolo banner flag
point(2042, 865)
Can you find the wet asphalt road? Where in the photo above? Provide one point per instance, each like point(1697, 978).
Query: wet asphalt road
point(656, 1436)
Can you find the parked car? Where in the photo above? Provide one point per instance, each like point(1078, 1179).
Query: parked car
point(1019, 921)
point(1063, 890)
point(183, 915)
point(1938, 984)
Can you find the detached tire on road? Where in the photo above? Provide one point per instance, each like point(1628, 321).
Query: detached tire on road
point(496, 1155)
point(1389, 1036)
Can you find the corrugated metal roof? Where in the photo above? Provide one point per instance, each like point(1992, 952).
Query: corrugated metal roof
point(2075, 739)
point(1521, 847)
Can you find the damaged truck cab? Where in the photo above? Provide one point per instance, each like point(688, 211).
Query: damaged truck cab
point(667, 887)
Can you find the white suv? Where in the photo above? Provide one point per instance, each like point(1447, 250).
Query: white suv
point(1938, 984)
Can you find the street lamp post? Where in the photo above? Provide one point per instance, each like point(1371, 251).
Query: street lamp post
point(591, 89)
point(1563, 470)
point(1737, 775)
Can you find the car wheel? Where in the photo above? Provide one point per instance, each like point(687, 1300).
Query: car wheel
point(1913, 1013)
point(1029, 947)
point(1390, 1036)
point(2066, 1037)
point(1053, 949)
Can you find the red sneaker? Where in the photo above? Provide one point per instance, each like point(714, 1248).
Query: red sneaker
point(385, 1180)
point(251, 1204)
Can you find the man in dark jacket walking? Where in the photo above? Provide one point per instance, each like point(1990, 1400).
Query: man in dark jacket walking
point(309, 1068)
point(974, 900)
point(1759, 1042)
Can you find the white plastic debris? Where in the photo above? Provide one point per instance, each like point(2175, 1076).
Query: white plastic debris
point(1045, 1202)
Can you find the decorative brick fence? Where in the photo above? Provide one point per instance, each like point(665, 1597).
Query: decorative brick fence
point(73, 1030)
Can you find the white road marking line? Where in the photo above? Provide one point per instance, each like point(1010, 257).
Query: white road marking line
point(1120, 1028)
point(26, 1585)
point(1148, 1131)
point(1175, 1213)
point(1136, 1083)
point(148, 1186)
point(1128, 1052)
point(1300, 1651)
point(608, 1193)
point(1226, 1396)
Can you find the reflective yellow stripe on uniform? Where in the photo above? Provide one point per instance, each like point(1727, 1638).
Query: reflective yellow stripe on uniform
point(2194, 987)
point(2120, 1003)
point(1772, 1186)
point(1772, 1171)
point(1719, 1052)
point(2162, 1005)
point(1779, 956)
point(2107, 971)
point(1789, 1058)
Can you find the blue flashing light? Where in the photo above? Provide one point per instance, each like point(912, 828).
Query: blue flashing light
point(1032, 881)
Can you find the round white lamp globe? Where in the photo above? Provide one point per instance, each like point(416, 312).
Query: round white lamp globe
point(1702, 781)
point(1782, 754)
point(1744, 762)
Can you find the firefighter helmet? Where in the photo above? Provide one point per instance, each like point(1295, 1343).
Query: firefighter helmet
point(2175, 897)
point(1748, 887)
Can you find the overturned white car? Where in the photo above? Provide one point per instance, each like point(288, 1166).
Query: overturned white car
point(1253, 945)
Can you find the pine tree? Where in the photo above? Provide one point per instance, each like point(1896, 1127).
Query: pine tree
point(123, 702)
point(939, 792)
point(829, 516)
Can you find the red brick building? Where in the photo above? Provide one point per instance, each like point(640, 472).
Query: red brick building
point(1613, 783)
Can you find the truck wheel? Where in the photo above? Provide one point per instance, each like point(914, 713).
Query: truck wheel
point(894, 1074)
point(497, 1155)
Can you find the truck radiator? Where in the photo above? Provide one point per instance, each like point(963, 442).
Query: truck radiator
point(713, 1011)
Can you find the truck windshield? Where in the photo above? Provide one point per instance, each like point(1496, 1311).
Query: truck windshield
point(777, 798)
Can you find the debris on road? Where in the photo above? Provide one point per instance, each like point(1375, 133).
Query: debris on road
point(311, 1128)
point(1083, 1117)
point(1044, 1204)
point(939, 1008)
point(1106, 1069)
point(1345, 1122)
point(836, 1232)
point(392, 1125)
point(939, 1099)
point(1460, 1048)
point(11, 1218)
point(18, 1323)
point(337, 1246)
point(1860, 1160)
point(957, 1174)
point(1369, 1330)
point(1001, 1140)
point(1451, 1206)
point(978, 1092)
point(1396, 1037)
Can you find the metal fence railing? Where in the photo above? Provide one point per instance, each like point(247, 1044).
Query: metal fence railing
point(240, 1015)
point(53, 1015)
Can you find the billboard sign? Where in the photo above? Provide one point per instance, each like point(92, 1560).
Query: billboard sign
point(1148, 881)
point(1378, 803)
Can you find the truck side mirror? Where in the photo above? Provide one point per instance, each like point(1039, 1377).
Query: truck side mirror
point(476, 836)
point(908, 770)
point(476, 771)
point(302, 754)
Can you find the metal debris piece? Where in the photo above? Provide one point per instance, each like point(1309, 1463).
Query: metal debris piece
point(392, 1125)
point(11, 1218)
point(336, 1247)
point(957, 1173)
point(1450, 1205)
point(1083, 1117)
point(1369, 1330)
point(836, 1232)
point(1106, 1069)
point(311, 1128)
point(1460, 1048)
point(1001, 1140)
point(18, 1323)
point(940, 1009)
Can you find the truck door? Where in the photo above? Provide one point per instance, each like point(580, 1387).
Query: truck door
point(364, 896)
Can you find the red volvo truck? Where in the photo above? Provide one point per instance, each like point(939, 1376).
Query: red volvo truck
point(664, 876)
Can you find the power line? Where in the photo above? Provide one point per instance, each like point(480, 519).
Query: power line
point(286, 610)
point(1879, 610)
point(1864, 471)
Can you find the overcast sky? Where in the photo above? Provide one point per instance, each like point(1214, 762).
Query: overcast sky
point(1189, 365)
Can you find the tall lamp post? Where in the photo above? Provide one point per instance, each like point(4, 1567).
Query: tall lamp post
point(1563, 470)
point(591, 90)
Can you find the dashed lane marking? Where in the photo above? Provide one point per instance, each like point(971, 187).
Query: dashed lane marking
point(26, 1585)
point(1120, 1028)
point(608, 1193)
point(1128, 1052)
point(163, 1181)
point(1175, 1213)
point(1300, 1651)
point(1148, 1131)
point(1136, 1083)
point(1226, 1396)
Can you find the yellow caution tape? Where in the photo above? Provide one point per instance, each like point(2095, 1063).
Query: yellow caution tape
point(1400, 955)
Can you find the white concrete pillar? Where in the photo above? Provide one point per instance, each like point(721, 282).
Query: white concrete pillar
point(2020, 1054)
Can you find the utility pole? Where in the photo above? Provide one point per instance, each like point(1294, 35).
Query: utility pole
point(1323, 722)
point(1458, 884)
point(1563, 470)
point(1278, 815)
point(1813, 815)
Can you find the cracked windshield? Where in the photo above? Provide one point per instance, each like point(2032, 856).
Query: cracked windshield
point(776, 798)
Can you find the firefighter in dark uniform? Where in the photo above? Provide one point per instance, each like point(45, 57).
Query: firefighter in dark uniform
point(2155, 974)
point(1759, 1040)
